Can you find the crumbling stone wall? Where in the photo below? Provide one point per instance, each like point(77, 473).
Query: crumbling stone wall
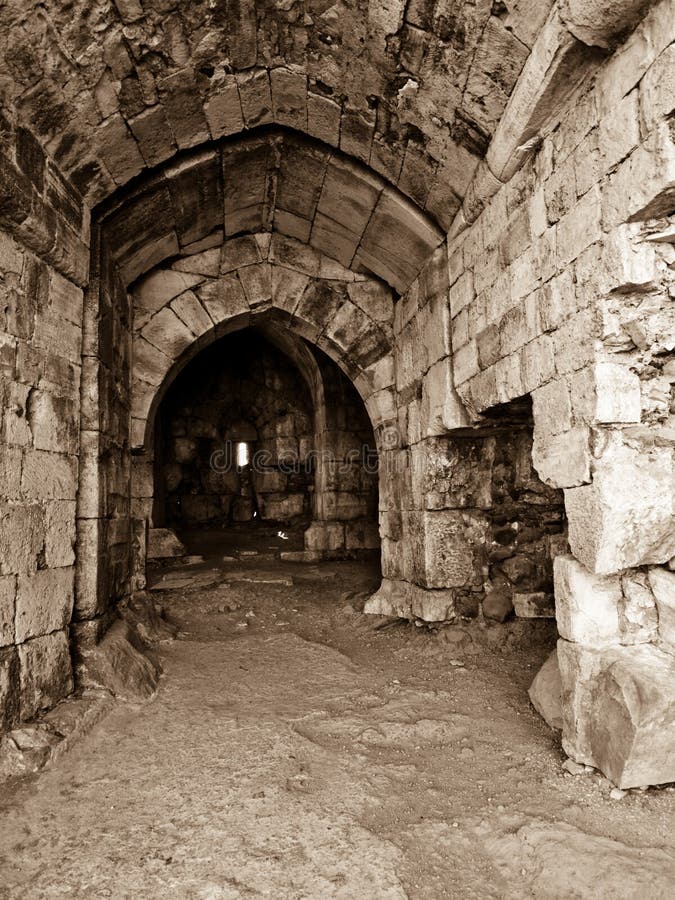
point(562, 288)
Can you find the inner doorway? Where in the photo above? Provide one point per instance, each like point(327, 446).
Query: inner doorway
point(262, 444)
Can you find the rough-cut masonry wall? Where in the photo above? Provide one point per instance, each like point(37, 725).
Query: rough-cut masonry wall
point(40, 348)
point(414, 89)
point(238, 389)
point(346, 489)
point(563, 289)
point(105, 543)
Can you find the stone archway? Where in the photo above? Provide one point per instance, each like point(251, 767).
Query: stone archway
point(278, 287)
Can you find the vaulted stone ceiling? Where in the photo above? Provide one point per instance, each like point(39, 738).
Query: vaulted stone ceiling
point(413, 88)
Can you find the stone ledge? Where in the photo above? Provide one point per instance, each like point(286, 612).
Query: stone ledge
point(34, 746)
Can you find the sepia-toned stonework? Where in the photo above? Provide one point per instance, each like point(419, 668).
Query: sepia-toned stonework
point(461, 210)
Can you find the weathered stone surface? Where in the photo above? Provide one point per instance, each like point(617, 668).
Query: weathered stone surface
point(119, 665)
point(393, 598)
point(619, 711)
point(545, 692)
point(144, 616)
point(662, 583)
point(587, 605)
point(624, 518)
point(44, 602)
point(163, 543)
point(45, 673)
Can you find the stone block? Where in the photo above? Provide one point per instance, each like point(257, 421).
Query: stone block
point(657, 90)
point(441, 410)
point(546, 692)
point(552, 408)
point(579, 228)
point(270, 481)
point(663, 585)
point(349, 195)
point(323, 118)
point(323, 536)
point(288, 286)
point(7, 606)
point(163, 544)
point(393, 598)
point(617, 394)
point(45, 673)
point(619, 132)
point(53, 422)
point(465, 362)
point(356, 133)
point(289, 97)
point(362, 535)
point(624, 518)
point(155, 138)
point(587, 605)
point(619, 711)
point(223, 110)
point(183, 107)
point(224, 299)
point(534, 605)
point(432, 605)
point(191, 312)
point(168, 333)
point(562, 460)
point(256, 281)
point(450, 547)
point(206, 262)
point(22, 536)
point(59, 547)
point(638, 618)
point(44, 602)
point(255, 96)
point(282, 507)
point(160, 287)
point(9, 681)
point(118, 149)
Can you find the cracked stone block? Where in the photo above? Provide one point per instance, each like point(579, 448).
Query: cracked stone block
point(619, 711)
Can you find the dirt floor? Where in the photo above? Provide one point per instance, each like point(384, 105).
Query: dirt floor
point(299, 749)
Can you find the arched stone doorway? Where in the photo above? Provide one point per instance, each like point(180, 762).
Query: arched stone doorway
point(249, 438)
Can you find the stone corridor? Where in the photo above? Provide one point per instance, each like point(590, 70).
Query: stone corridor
point(313, 287)
point(298, 748)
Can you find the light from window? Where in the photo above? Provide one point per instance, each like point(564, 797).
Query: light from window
point(242, 454)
